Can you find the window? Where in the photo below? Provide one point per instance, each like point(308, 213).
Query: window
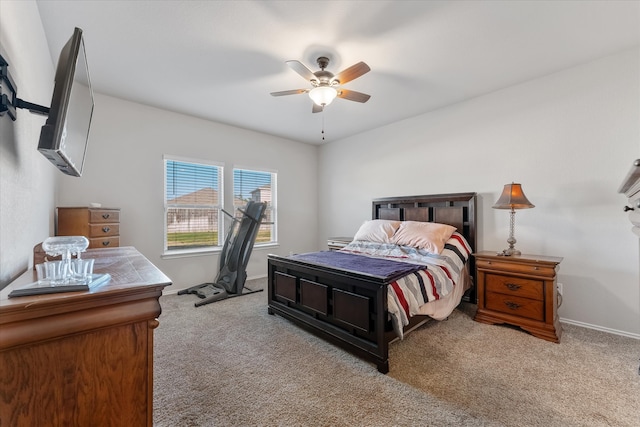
point(259, 186)
point(193, 205)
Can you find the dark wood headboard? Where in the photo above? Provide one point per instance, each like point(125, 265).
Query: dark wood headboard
point(457, 209)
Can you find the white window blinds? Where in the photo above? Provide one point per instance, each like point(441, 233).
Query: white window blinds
point(259, 186)
point(193, 203)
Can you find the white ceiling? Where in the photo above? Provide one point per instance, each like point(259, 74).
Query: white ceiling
point(220, 60)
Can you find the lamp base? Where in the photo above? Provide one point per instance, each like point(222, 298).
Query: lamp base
point(511, 252)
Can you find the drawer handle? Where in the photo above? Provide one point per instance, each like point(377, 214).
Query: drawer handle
point(512, 286)
point(105, 216)
point(512, 305)
point(105, 229)
point(106, 243)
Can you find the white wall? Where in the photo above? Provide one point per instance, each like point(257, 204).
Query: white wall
point(27, 179)
point(569, 138)
point(124, 169)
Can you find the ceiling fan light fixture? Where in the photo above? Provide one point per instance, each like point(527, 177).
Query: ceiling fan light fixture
point(323, 95)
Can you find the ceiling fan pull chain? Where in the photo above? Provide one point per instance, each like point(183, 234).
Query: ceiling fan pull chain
point(323, 123)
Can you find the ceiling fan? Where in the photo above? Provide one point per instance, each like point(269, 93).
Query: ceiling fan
point(326, 85)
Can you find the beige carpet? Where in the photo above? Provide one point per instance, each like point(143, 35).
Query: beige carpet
point(232, 364)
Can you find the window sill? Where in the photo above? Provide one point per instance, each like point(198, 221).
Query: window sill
point(259, 246)
point(186, 253)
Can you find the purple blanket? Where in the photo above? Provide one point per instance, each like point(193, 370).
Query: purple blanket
point(359, 263)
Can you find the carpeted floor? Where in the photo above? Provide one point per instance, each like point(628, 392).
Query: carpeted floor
point(232, 364)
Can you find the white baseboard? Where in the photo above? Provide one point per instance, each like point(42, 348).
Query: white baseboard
point(173, 291)
point(601, 328)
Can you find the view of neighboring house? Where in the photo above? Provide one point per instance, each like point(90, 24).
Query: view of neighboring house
point(197, 211)
point(261, 194)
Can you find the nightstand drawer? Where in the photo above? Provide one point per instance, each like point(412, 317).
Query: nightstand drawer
point(513, 266)
point(508, 285)
point(337, 243)
point(521, 307)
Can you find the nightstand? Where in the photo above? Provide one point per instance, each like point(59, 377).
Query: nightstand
point(519, 290)
point(336, 243)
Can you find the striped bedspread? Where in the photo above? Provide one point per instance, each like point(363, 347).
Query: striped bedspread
point(441, 273)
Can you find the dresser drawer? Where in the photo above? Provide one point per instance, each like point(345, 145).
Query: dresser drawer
point(517, 306)
point(100, 225)
point(100, 230)
point(516, 286)
point(542, 270)
point(104, 242)
point(103, 215)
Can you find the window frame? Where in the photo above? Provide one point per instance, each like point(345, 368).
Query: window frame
point(203, 250)
point(273, 207)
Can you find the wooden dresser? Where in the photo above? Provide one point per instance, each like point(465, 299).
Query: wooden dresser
point(520, 290)
point(100, 225)
point(82, 358)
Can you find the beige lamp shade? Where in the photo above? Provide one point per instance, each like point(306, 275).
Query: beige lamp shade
point(513, 197)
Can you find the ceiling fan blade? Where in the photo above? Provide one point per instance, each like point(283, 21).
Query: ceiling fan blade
point(352, 72)
point(290, 92)
point(352, 95)
point(317, 108)
point(301, 69)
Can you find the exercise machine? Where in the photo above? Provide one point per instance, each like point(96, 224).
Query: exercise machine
point(234, 258)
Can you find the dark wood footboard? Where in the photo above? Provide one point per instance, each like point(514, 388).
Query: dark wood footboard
point(345, 308)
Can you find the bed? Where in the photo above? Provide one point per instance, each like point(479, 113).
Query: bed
point(334, 295)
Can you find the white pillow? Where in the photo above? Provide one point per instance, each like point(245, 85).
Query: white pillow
point(430, 236)
point(377, 230)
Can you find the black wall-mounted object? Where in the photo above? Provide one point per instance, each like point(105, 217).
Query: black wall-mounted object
point(64, 136)
point(9, 100)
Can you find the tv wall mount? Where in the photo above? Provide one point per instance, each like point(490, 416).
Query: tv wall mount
point(9, 101)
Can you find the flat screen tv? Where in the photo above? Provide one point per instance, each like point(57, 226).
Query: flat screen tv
point(64, 136)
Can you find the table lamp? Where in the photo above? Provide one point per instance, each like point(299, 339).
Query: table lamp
point(512, 198)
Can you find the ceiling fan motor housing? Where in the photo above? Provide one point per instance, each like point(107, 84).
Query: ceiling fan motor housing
point(323, 62)
point(324, 78)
